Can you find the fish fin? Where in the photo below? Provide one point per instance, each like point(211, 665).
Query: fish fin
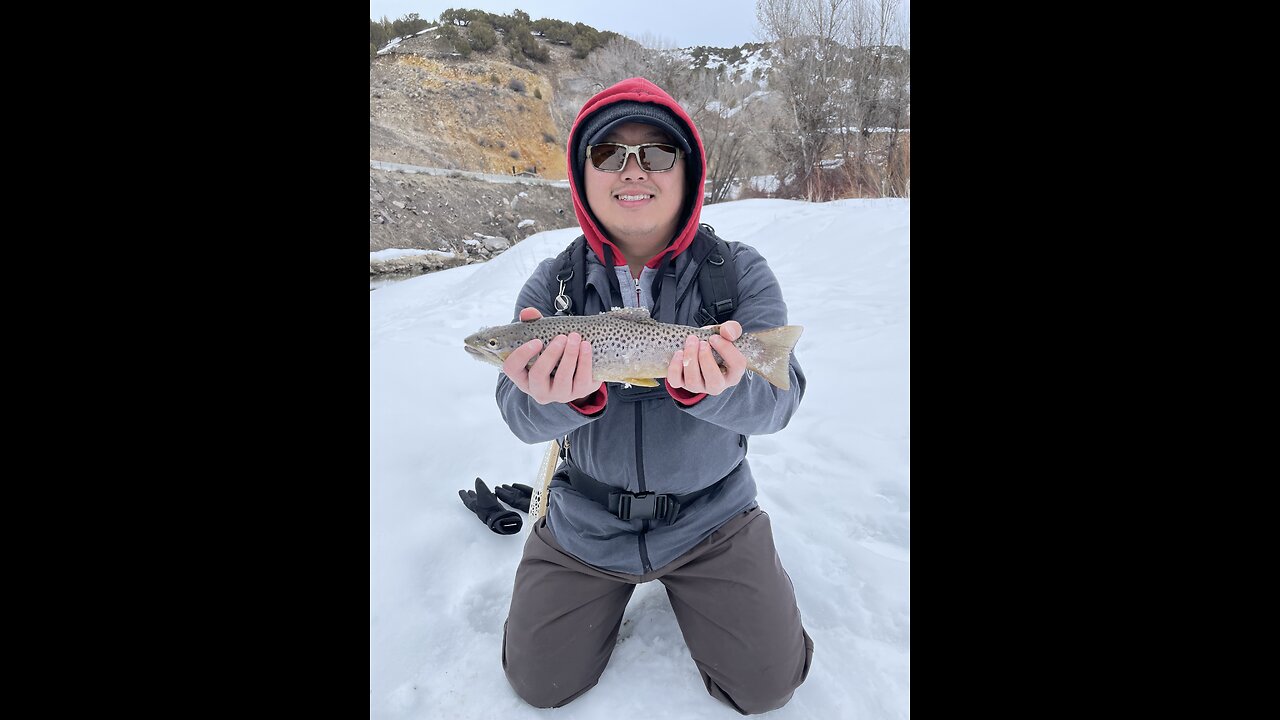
point(642, 382)
point(775, 361)
point(635, 314)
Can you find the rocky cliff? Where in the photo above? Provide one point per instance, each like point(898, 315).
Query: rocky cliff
point(488, 113)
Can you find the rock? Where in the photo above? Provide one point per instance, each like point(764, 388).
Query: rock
point(496, 244)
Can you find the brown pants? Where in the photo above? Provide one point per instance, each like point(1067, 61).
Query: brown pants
point(734, 602)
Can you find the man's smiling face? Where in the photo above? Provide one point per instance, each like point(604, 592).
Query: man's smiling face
point(636, 208)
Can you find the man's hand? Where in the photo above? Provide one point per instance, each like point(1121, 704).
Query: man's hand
point(694, 369)
point(568, 357)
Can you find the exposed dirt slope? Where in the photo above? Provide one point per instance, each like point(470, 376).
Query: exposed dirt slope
point(487, 113)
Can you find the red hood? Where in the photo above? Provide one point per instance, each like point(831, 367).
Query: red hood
point(639, 90)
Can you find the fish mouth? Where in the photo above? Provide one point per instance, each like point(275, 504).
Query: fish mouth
point(484, 355)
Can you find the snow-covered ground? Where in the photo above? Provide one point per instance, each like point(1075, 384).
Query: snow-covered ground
point(836, 483)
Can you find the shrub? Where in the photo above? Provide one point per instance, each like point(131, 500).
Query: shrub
point(482, 36)
point(537, 92)
point(516, 84)
point(515, 154)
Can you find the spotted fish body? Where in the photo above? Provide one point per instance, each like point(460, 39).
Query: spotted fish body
point(629, 346)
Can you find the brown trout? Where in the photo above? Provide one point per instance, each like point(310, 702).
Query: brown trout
point(629, 346)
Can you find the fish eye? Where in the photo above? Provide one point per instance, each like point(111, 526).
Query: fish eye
point(493, 342)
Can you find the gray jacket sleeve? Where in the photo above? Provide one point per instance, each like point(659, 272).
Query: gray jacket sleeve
point(528, 420)
point(754, 406)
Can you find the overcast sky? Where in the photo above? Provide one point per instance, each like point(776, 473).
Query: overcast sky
point(680, 23)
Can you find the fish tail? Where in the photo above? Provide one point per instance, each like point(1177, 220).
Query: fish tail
point(774, 364)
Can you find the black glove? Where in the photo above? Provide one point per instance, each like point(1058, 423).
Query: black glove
point(490, 511)
point(515, 495)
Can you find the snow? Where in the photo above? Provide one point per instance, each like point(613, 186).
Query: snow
point(391, 44)
point(765, 183)
point(719, 108)
point(836, 483)
point(744, 67)
point(525, 223)
point(391, 253)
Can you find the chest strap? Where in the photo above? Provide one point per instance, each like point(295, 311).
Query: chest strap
point(633, 506)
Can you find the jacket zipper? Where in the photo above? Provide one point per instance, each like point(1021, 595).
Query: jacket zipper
point(644, 527)
point(636, 280)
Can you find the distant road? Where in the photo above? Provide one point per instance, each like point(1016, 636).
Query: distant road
point(487, 177)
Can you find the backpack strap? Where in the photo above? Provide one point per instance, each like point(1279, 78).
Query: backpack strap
point(569, 277)
point(717, 282)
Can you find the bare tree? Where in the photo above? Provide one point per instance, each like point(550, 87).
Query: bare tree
point(808, 72)
point(898, 161)
point(836, 58)
point(875, 78)
point(720, 104)
point(623, 57)
point(727, 117)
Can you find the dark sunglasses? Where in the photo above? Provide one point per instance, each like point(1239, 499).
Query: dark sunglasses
point(653, 157)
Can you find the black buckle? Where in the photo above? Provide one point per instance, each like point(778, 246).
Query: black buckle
point(642, 506)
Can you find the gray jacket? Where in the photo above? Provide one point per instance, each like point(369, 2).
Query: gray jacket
point(644, 440)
